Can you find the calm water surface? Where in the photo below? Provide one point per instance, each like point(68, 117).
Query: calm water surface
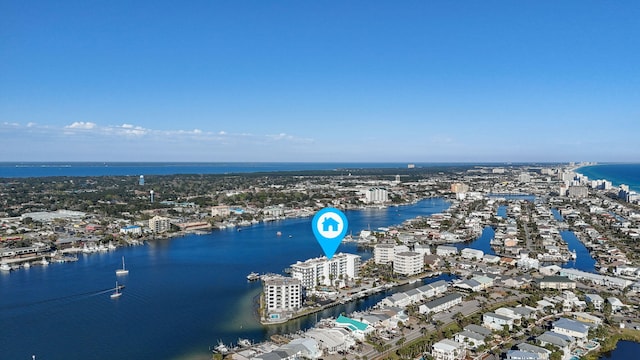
point(181, 295)
point(625, 350)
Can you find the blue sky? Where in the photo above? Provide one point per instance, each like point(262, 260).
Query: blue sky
point(400, 81)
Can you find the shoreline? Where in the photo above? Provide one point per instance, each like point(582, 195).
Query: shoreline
point(349, 299)
point(19, 261)
point(614, 182)
point(610, 343)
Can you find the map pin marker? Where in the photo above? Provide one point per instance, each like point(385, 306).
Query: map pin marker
point(329, 226)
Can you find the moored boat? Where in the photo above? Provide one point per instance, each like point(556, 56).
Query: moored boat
point(244, 342)
point(122, 271)
point(253, 276)
point(221, 348)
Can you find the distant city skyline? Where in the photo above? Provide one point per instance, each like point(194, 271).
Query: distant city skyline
point(334, 81)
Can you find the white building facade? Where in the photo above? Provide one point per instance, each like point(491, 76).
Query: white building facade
point(408, 263)
point(327, 272)
point(282, 294)
point(376, 195)
point(383, 253)
point(159, 224)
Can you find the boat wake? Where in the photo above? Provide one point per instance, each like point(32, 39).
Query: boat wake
point(57, 300)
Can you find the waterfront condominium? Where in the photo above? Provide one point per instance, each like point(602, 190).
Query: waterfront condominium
point(327, 272)
point(408, 263)
point(376, 195)
point(159, 224)
point(282, 294)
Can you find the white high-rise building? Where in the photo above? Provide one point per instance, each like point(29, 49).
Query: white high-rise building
point(459, 188)
point(159, 224)
point(221, 210)
point(282, 294)
point(327, 272)
point(524, 177)
point(376, 195)
point(383, 253)
point(408, 263)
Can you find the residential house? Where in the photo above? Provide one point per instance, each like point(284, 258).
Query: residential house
point(423, 249)
point(479, 330)
point(496, 322)
point(472, 254)
point(444, 250)
point(556, 282)
point(587, 318)
point(543, 353)
point(440, 304)
point(470, 339)
point(448, 350)
point(434, 289)
point(616, 304)
point(521, 355)
point(525, 312)
point(563, 342)
point(573, 328)
point(596, 300)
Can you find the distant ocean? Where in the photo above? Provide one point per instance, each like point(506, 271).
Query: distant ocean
point(33, 169)
point(628, 174)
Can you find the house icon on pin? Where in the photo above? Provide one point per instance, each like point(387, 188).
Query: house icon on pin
point(330, 224)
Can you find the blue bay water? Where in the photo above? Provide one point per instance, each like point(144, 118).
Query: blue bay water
point(624, 350)
point(483, 242)
point(182, 295)
point(22, 170)
point(628, 174)
point(584, 261)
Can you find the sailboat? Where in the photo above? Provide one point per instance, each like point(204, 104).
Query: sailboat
point(122, 271)
point(117, 293)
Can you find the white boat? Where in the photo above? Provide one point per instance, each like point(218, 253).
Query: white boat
point(253, 276)
point(122, 271)
point(43, 261)
point(116, 293)
point(244, 342)
point(26, 265)
point(5, 267)
point(221, 348)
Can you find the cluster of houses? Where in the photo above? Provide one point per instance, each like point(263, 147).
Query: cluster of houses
point(569, 336)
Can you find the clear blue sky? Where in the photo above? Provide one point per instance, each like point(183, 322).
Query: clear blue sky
point(405, 81)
